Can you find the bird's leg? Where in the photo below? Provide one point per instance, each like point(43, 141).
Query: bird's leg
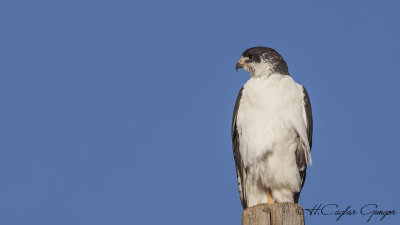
point(269, 196)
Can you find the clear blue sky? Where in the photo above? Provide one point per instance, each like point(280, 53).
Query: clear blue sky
point(119, 112)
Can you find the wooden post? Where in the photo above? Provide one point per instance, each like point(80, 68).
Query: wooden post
point(275, 214)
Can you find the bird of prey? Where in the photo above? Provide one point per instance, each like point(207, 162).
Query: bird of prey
point(271, 130)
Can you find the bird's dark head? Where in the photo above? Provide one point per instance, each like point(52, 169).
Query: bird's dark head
point(262, 61)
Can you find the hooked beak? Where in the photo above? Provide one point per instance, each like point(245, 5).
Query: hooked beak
point(240, 63)
point(238, 66)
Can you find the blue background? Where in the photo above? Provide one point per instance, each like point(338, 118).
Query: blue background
point(119, 112)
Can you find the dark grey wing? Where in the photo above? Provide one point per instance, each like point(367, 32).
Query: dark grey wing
point(241, 173)
point(308, 110)
point(300, 156)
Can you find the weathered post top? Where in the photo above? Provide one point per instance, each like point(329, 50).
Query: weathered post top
point(275, 214)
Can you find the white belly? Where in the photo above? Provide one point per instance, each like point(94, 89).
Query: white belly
point(269, 120)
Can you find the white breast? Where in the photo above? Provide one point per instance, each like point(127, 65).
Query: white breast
point(270, 117)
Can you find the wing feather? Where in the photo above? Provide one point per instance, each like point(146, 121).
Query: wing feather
point(300, 156)
point(240, 171)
